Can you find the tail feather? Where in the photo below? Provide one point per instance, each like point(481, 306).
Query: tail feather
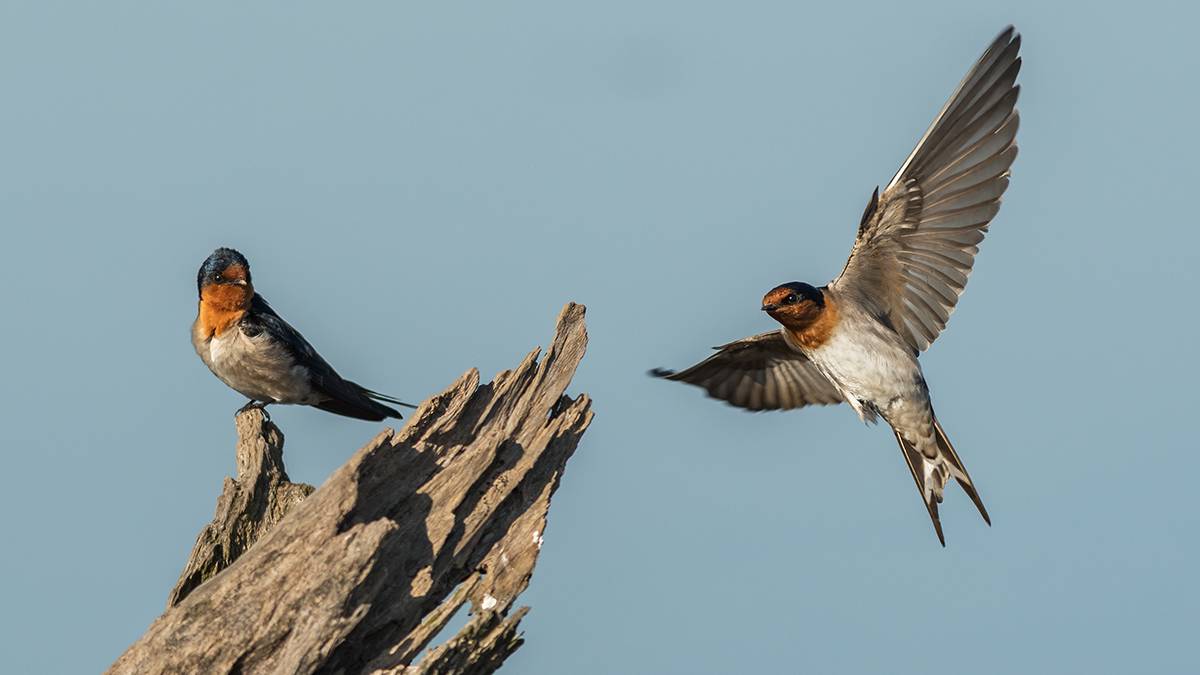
point(960, 473)
point(916, 464)
point(931, 473)
point(364, 409)
point(344, 397)
point(387, 399)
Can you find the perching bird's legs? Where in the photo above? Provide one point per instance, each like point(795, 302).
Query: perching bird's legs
point(252, 404)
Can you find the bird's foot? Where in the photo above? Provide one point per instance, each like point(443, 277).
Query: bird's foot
point(255, 405)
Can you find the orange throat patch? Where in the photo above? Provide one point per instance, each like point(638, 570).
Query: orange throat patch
point(814, 332)
point(221, 307)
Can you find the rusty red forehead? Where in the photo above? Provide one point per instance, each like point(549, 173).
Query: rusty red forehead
point(234, 271)
point(776, 295)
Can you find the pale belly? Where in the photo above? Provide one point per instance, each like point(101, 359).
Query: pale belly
point(255, 368)
point(875, 373)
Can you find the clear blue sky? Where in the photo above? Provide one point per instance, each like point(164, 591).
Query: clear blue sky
point(420, 187)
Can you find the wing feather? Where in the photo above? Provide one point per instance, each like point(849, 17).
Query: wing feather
point(759, 373)
point(345, 397)
point(918, 239)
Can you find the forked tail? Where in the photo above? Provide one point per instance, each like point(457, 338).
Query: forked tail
point(932, 468)
point(344, 397)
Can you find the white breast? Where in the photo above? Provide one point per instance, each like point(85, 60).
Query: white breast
point(869, 363)
point(256, 367)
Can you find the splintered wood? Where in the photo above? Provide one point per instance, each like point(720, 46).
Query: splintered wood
point(360, 575)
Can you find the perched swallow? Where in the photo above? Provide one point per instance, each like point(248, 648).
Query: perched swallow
point(258, 354)
point(857, 339)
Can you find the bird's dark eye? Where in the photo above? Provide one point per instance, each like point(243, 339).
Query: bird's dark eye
point(220, 278)
point(791, 299)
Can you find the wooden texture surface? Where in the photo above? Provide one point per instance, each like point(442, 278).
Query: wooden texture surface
point(360, 575)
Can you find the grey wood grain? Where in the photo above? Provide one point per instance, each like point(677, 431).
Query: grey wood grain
point(360, 575)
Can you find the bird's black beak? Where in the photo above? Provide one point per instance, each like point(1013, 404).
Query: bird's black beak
point(238, 282)
point(770, 307)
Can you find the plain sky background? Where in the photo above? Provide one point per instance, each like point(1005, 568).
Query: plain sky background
point(420, 187)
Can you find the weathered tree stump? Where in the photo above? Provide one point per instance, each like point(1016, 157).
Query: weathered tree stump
point(360, 575)
point(249, 505)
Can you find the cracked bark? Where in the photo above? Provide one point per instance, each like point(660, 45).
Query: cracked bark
point(248, 506)
point(360, 575)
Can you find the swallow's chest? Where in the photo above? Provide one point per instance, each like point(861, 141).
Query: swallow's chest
point(230, 347)
point(866, 364)
point(224, 351)
point(256, 366)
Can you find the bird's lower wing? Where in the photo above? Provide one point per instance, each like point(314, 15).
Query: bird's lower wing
point(759, 373)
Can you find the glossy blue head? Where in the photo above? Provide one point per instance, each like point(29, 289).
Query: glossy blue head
point(792, 294)
point(224, 267)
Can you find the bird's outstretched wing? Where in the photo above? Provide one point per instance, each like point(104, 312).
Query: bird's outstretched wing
point(759, 373)
point(918, 239)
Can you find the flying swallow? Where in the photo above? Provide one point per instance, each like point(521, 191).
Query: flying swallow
point(857, 339)
point(253, 350)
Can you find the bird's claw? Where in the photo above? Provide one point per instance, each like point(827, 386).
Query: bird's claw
point(255, 405)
